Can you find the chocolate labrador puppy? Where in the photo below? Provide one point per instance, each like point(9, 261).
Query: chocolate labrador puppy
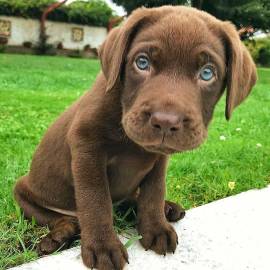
point(163, 71)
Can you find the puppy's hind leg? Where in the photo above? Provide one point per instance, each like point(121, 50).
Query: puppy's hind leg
point(173, 211)
point(31, 209)
point(63, 229)
point(63, 232)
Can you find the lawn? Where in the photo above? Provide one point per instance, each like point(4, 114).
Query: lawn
point(35, 90)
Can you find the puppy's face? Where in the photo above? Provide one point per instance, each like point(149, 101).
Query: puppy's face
point(174, 71)
point(174, 75)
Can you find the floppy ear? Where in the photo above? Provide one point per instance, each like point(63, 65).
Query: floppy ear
point(241, 70)
point(113, 51)
point(111, 64)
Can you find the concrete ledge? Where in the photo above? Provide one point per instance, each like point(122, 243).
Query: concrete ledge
point(229, 234)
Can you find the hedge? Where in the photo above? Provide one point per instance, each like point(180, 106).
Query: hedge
point(260, 50)
point(91, 12)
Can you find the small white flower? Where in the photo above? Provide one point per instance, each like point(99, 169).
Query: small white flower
point(222, 138)
point(258, 145)
point(238, 129)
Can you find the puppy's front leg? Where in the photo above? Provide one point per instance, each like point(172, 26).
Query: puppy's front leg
point(157, 233)
point(101, 247)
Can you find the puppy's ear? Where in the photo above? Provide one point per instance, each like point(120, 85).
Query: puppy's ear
point(241, 70)
point(113, 51)
point(110, 64)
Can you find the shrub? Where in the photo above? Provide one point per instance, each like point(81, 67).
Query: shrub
point(44, 48)
point(60, 46)
point(91, 12)
point(2, 48)
point(22, 8)
point(260, 50)
point(264, 55)
point(27, 44)
point(3, 40)
point(87, 48)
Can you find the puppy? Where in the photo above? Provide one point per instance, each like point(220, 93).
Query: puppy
point(163, 71)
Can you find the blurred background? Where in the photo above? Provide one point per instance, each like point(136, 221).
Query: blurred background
point(77, 27)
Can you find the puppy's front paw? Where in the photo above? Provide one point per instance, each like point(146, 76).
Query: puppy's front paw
point(107, 254)
point(160, 237)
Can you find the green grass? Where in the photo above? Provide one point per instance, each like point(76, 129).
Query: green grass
point(35, 90)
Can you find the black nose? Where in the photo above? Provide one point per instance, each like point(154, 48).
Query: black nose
point(165, 122)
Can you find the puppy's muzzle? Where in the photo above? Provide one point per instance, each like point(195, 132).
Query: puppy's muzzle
point(168, 123)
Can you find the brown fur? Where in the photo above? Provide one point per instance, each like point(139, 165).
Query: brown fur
point(118, 136)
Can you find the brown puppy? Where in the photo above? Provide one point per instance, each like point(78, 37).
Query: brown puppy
point(163, 72)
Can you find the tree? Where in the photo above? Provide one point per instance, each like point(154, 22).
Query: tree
point(131, 5)
point(255, 13)
point(42, 46)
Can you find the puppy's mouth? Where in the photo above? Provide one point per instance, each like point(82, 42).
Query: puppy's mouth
point(166, 144)
point(160, 149)
point(164, 148)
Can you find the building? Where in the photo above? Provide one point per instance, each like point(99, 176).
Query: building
point(18, 33)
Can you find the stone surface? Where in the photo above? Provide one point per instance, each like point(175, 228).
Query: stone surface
point(229, 234)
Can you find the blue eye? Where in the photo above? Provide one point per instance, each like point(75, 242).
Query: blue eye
point(142, 63)
point(206, 73)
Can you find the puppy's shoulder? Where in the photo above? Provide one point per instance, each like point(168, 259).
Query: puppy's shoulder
point(96, 111)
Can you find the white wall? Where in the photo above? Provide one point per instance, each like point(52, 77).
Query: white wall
point(23, 30)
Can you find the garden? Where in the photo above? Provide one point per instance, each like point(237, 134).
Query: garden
point(34, 90)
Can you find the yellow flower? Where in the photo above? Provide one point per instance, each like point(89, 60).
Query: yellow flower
point(231, 185)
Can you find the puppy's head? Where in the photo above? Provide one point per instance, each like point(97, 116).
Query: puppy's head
point(172, 64)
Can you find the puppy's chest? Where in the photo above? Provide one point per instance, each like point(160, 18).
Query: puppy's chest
point(125, 172)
